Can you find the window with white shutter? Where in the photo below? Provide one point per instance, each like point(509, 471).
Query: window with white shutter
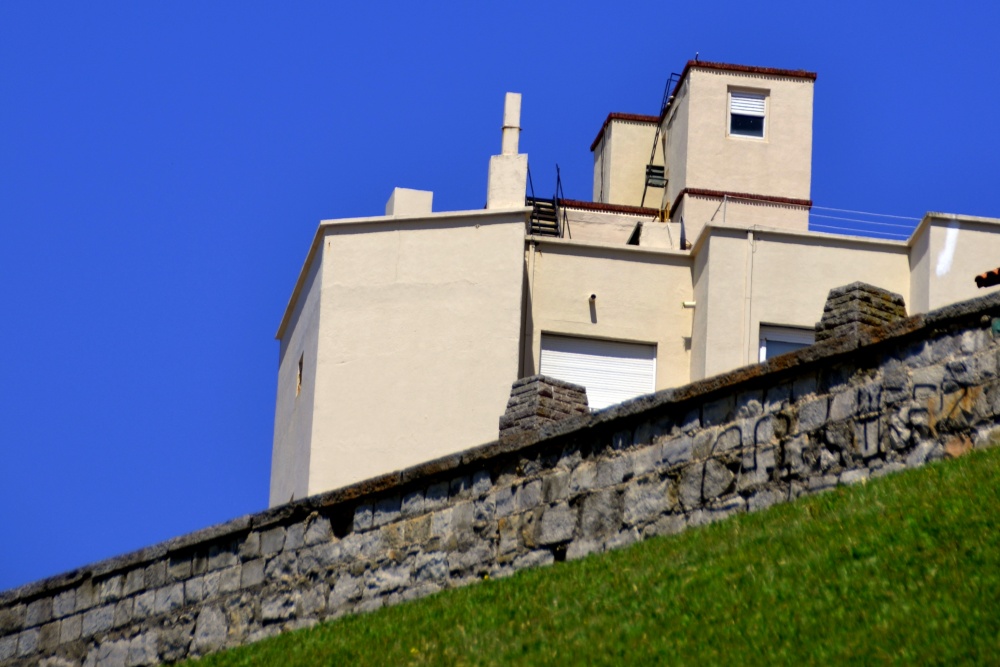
point(746, 113)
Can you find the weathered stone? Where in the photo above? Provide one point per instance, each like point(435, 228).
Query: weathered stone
point(168, 598)
point(600, 514)
point(173, 642)
point(99, 619)
point(436, 496)
point(812, 414)
point(677, 450)
point(250, 546)
point(689, 489)
point(528, 496)
point(386, 510)
point(135, 581)
point(123, 611)
point(277, 607)
point(413, 503)
point(142, 650)
point(70, 628)
point(272, 541)
point(64, 604)
point(36, 613)
point(718, 411)
point(583, 478)
point(612, 471)
point(718, 479)
point(210, 630)
point(295, 536)
point(113, 654)
point(156, 575)
point(557, 524)
point(843, 405)
point(854, 476)
point(27, 642)
point(318, 531)
point(645, 502)
point(347, 589)
point(8, 647)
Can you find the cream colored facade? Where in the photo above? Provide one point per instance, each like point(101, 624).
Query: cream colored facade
point(405, 331)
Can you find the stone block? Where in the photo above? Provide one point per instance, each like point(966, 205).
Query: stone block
point(70, 628)
point(8, 647)
point(677, 450)
point(295, 537)
point(557, 524)
point(812, 414)
point(142, 650)
point(135, 581)
point(804, 387)
point(277, 607)
point(210, 630)
point(689, 488)
point(156, 575)
point(145, 604)
point(718, 478)
point(777, 397)
point(111, 654)
point(843, 405)
point(48, 638)
point(412, 503)
point(229, 579)
point(436, 496)
point(386, 510)
point(27, 642)
point(346, 590)
point(250, 546)
point(718, 411)
point(168, 598)
point(363, 517)
point(600, 514)
point(179, 568)
point(528, 496)
point(481, 483)
point(503, 500)
point(194, 590)
point(252, 573)
point(272, 541)
point(584, 477)
point(555, 486)
point(854, 476)
point(728, 440)
point(123, 612)
point(318, 531)
point(99, 619)
point(36, 613)
point(613, 471)
point(644, 503)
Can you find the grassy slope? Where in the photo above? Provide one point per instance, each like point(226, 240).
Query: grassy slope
point(904, 569)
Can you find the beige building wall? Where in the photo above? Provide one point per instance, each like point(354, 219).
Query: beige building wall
point(296, 395)
point(620, 159)
point(746, 278)
point(640, 295)
point(418, 343)
point(948, 251)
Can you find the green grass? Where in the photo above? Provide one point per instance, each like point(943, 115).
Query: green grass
point(901, 570)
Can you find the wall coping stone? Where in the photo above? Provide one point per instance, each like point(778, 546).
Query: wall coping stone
point(865, 339)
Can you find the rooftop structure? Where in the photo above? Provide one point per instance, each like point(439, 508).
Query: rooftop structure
point(405, 332)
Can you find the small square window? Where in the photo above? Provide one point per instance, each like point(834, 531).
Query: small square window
point(746, 114)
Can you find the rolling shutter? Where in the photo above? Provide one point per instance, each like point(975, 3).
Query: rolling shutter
point(611, 371)
point(747, 104)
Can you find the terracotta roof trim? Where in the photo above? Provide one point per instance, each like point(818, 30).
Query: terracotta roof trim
point(744, 69)
point(608, 208)
point(617, 115)
point(719, 194)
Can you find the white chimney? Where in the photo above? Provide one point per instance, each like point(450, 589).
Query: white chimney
point(508, 177)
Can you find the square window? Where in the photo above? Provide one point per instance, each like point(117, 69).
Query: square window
point(746, 114)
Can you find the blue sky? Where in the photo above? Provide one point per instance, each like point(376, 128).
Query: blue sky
point(163, 167)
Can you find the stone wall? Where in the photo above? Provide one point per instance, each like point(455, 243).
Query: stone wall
point(852, 407)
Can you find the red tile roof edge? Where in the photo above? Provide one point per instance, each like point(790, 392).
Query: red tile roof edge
point(737, 195)
point(746, 69)
point(617, 115)
point(608, 208)
point(988, 279)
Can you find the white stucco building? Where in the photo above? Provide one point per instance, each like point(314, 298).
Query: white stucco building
point(404, 331)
